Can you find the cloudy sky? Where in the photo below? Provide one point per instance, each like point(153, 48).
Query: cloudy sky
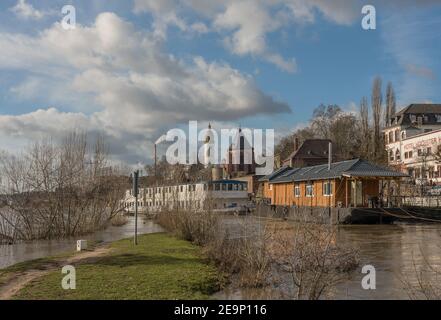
point(132, 69)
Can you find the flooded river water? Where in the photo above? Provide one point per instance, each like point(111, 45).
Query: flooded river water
point(395, 251)
point(24, 251)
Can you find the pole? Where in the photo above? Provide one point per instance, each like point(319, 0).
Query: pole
point(135, 191)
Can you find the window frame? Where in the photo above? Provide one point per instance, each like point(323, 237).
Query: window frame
point(309, 190)
point(327, 189)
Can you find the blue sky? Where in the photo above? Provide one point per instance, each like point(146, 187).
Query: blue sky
point(133, 69)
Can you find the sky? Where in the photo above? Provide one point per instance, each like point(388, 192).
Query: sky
point(133, 69)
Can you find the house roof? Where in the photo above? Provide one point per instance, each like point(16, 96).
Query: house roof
point(420, 108)
point(428, 109)
point(274, 174)
point(311, 149)
point(350, 168)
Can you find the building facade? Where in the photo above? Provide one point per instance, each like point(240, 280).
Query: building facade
point(350, 183)
point(239, 158)
point(413, 138)
point(200, 196)
point(418, 157)
point(311, 152)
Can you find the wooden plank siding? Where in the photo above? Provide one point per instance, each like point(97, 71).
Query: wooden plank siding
point(282, 194)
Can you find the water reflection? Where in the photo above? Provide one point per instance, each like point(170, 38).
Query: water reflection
point(12, 254)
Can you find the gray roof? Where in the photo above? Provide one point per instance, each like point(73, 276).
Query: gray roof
point(429, 110)
point(351, 168)
point(421, 108)
point(274, 174)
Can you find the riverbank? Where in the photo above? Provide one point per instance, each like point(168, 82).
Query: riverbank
point(38, 249)
point(160, 267)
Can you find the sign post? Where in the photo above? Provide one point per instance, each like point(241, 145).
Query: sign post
point(135, 192)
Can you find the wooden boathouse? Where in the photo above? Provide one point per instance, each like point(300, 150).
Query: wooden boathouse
point(345, 184)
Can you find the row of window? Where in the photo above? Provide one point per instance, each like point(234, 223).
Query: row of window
point(192, 188)
point(421, 173)
point(180, 204)
point(409, 154)
point(394, 136)
point(309, 189)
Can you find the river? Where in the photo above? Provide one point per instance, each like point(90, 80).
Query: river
point(394, 250)
point(24, 251)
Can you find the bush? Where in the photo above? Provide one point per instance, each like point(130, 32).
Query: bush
point(245, 256)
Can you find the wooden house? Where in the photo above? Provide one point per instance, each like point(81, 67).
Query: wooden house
point(350, 183)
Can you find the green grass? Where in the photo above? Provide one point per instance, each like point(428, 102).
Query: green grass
point(160, 267)
point(38, 264)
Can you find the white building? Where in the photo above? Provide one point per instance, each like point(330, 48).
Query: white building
point(218, 194)
point(412, 138)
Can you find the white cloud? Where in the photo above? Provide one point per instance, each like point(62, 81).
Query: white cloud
point(25, 10)
point(246, 24)
point(134, 89)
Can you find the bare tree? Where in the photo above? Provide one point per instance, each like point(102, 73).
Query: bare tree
point(309, 255)
point(364, 126)
point(57, 190)
point(376, 104)
point(390, 103)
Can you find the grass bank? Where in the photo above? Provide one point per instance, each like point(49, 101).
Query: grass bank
point(160, 267)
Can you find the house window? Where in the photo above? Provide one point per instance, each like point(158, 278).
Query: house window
point(406, 155)
point(297, 191)
point(429, 151)
point(309, 191)
point(327, 188)
point(391, 155)
point(410, 154)
point(420, 152)
point(391, 136)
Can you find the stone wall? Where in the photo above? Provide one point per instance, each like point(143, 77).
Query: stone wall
point(306, 214)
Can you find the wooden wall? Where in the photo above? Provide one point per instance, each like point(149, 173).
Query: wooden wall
point(283, 193)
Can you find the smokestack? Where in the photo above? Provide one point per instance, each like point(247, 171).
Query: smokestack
point(330, 155)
